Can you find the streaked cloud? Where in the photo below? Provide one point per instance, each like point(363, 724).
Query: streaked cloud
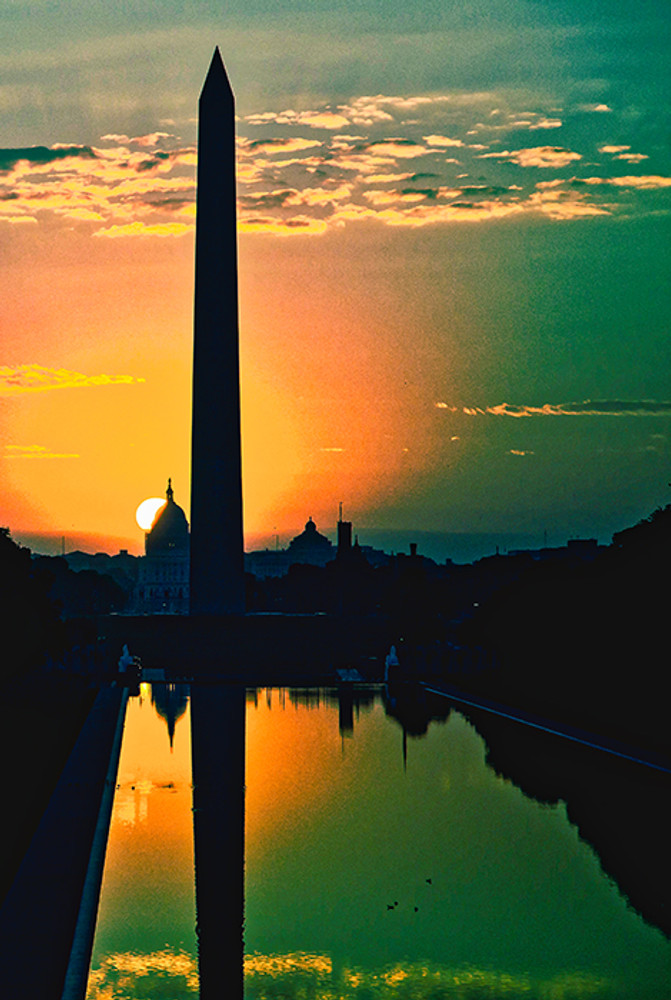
point(587, 408)
point(34, 451)
point(633, 157)
point(324, 119)
point(537, 156)
point(143, 186)
point(143, 229)
point(595, 108)
point(397, 148)
point(296, 225)
point(442, 141)
point(643, 182)
point(36, 157)
point(279, 145)
point(37, 378)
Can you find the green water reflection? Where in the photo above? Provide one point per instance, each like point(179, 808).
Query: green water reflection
point(432, 879)
point(375, 867)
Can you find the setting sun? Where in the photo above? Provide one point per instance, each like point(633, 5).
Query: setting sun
point(147, 511)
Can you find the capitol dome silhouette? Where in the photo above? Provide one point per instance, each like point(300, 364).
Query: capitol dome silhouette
point(169, 532)
point(163, 572)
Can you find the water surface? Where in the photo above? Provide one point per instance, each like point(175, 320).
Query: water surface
point(377, 865)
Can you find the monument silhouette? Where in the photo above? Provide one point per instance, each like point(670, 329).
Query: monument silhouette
point(217, 573)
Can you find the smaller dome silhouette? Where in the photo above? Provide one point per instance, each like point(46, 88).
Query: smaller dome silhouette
point(170, 531)
point(311, 546)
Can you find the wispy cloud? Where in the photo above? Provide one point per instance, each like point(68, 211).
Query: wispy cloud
point(591, 109)
point(36, 378)
point(35, 451)
point(324, 119)
point(144, 229)
point(37, 157)
point(649, 183)
point(381, 157)
point(537, 156)
point(587, 408)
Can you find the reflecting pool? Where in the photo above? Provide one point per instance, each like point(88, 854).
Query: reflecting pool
point(376, 864)
point(145, 937)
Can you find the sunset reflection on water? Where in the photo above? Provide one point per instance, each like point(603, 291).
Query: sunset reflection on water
point(367, 873)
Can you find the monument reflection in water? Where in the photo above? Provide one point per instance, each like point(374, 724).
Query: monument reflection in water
point(367, 872)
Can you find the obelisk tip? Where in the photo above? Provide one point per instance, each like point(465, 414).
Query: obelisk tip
point(217, 78)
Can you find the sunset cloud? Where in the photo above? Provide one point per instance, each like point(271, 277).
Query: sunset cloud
point(297, 225)
point(278, 145)
point(43, 156)
point(35, 451)
point(397, 148)
point(587, 408)
point(595, 109)
point(37, 378)
point(131, 186)
point(538, 156)
point(163, 229)
point(325, 119)
point(441, 141)
point(648, 183)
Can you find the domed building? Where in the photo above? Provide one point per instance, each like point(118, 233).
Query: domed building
point(310, 547)
point(163, 573)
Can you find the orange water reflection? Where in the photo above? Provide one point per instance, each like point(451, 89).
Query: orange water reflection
point(146, 920)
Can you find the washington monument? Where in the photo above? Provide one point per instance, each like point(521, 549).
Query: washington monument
point(217, 574)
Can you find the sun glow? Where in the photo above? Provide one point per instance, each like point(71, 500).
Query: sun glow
point(147, 511)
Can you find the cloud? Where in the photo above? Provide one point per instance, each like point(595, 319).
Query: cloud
point(648, 183)
point(545, 123)
point(268, 199)
point(632, 157)
point(562, 205)
point(324, 119)
point(143, 229)
point(41, 156)
point(538, 156)
point(35, 451)
point(441, 140)
point(530, 120)
point(278, 145)
point(144, 185)
point(622, 153)
point(397, 148)
point(297, 225)
point(595, 109)
point(517, 451)
point(587, 408)
point(36, 378)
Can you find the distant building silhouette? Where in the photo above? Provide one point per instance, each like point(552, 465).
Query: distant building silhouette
point(163, 572)
point(311, 548)
point(344, 537)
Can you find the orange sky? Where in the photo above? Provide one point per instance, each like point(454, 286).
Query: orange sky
point(453, 269)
